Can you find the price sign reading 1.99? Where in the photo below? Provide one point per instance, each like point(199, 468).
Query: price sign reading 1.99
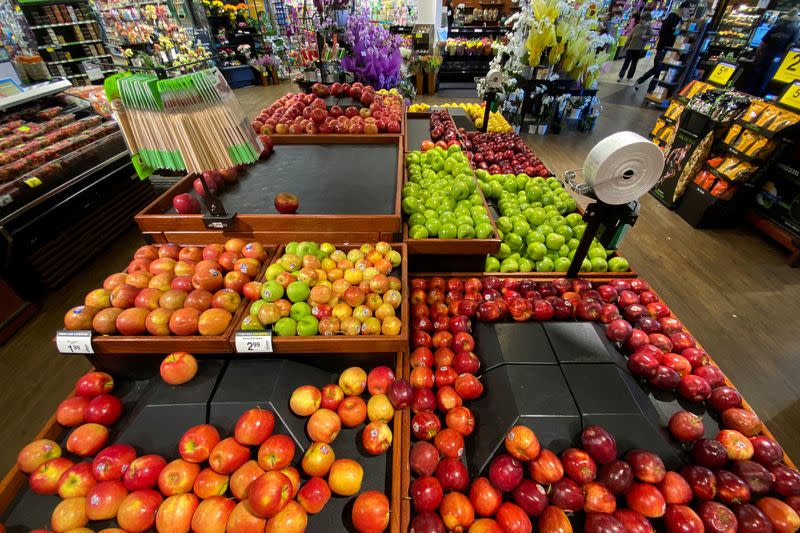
point(789, 70)
point(791, 98)
point(722, 73)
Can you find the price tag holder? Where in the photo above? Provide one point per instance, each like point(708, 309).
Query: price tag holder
point(253, 341)
point(789, 69)
point(791, 97)
point(74, 341)
point(722, 73)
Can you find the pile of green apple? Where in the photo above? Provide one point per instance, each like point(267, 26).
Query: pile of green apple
point(539, 227)
point(441, 198)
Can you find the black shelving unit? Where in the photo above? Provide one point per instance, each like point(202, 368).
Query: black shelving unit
point(68, 36)
point(685, 68)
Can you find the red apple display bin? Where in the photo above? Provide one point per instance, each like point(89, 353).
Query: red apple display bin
point(161, 345)
point(348, 187)
point(342, 344)
point(219, 398)
point(574, 436)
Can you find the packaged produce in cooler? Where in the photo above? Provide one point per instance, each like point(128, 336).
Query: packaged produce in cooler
point(12, 170)
point(10, 126)
point(49, 113)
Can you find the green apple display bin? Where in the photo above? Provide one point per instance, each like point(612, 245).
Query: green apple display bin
point(149, 402)
point(349, 187)
point(343, 344)
point(158, 345)
point(407, 435)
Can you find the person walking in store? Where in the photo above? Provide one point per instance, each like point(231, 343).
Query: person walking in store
point(640, 34)
point(666, 39)
point(782, 36)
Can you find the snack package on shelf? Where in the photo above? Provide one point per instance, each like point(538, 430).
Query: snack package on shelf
point(694, 88)
point(723, 190)
point(674, 110)
point(705, 179)
point(721, 106)
point(735, 169)
point(769, 116)
point(660, 125)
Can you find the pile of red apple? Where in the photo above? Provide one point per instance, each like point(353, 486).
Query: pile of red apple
point(298, 114)
point(242, 483)
point(341, 405)
point(168, 289)
point(443, 128)
point(503, 153)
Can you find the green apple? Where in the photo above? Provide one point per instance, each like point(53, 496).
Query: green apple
point(525, 265)
point(273, 270)
point(418, 232)
point(618, 264)
point(571, 204)
point(447, 218)
point(411, 205)
point(538, 216)
point(578, 230)
point(483, 230)
point(466, 231)
point(285, 327)
point(573, 243)
point(563, 251)
point(513, 240)
point(562, 264)
point(308, 326)
point(448, 230)
point(565, 231)
point(497, 188)
point(521, 181)
point(492, 264)
point(573, 219)
point(554, 241)
point(545, 265)
point(510, 186)
point(504, 224)
point(521, 227)
point(433, 225)
point(271, 291)
point(299, 310)
point(536, 251)
point(412, 158)
point(505, 251)
point(297, 291)
point(291, 248)
point(416, 219)
point(307, 248)
point(509, 264)
point(596, 252)
point(534, 236)
point(599, 264)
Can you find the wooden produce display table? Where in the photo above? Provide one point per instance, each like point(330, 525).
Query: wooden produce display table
point(348, 187)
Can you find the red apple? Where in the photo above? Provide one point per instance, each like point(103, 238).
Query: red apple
point(36, 453)
point(227, 456)
point(646, 500)
point(600, 444)
point(177, 477)
point(286, 203)
point(104, 499)
point(143, 472)
point(137, 512)
point(486, 499)
point(681, 518)
point(87, 440)
point(104, 409)
point(70, 412)
point(196, 444)
point(76, 481)
point(94, 384)
point(254, 427)
point(370, 512)
point(111, 463)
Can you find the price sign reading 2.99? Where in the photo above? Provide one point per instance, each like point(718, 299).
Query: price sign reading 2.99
point(722, 73)
point(791, 97)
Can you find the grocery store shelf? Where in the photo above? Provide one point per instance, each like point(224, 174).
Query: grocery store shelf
point(673, 65)
point(86, 58)
point(74, 43)
point(63, 24)
point(132, 5)
point(666, 83)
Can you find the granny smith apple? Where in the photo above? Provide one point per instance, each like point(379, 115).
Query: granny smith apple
point(416, 219)
point(565, 231)
point(505, 251)
point(573, 243)
point(562, 264)
point(536, 251)
point(285, 327)
point(492, 264)
point(599, 264)
point(273, 270)
point(545, 229)
point(483, 230)
point(307, 326)
point(578, 230)
point(297, 291)
point(418, 232)
point(618, 264)
point(504, 224)
point(525, 265)
point(271, 291)
point(513, 240)
point(596, 252)
point(448, 230)
point(299, 310)
point(534, 236)
point(545, 265)
point(251, 323)
point(255, 306)
point(466, 231)
point(573, 219)
point(509, 264)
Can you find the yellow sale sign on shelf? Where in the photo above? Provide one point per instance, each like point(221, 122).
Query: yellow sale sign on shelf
point(791, 98)
point(722, 73)
point(789, 70)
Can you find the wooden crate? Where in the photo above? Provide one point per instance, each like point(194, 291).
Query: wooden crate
point(195, 344)
point(160, 225)
point(339, 344)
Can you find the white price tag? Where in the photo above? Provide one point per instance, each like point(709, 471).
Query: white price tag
point(253, 341)
point(478, 30)
point(74, 341)
point(93, 71)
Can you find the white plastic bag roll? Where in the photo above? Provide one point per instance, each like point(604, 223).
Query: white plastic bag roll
point(623, 167)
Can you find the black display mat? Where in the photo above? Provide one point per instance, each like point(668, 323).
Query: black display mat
point(328, 179)
point(579, 342)
point(512, 343)
point(240, 389)
point(417, 130)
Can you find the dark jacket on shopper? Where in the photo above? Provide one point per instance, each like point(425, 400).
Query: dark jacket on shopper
point(779, 38)
point(666, 36)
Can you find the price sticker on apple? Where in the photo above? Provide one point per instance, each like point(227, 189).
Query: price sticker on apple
point(722, 73)
point(253, 341)
point(74, 341)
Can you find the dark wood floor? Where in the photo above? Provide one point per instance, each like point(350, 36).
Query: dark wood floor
point(731, 288)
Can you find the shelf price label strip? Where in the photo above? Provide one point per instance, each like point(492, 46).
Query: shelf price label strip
point(74, 341)
point(253, 341)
